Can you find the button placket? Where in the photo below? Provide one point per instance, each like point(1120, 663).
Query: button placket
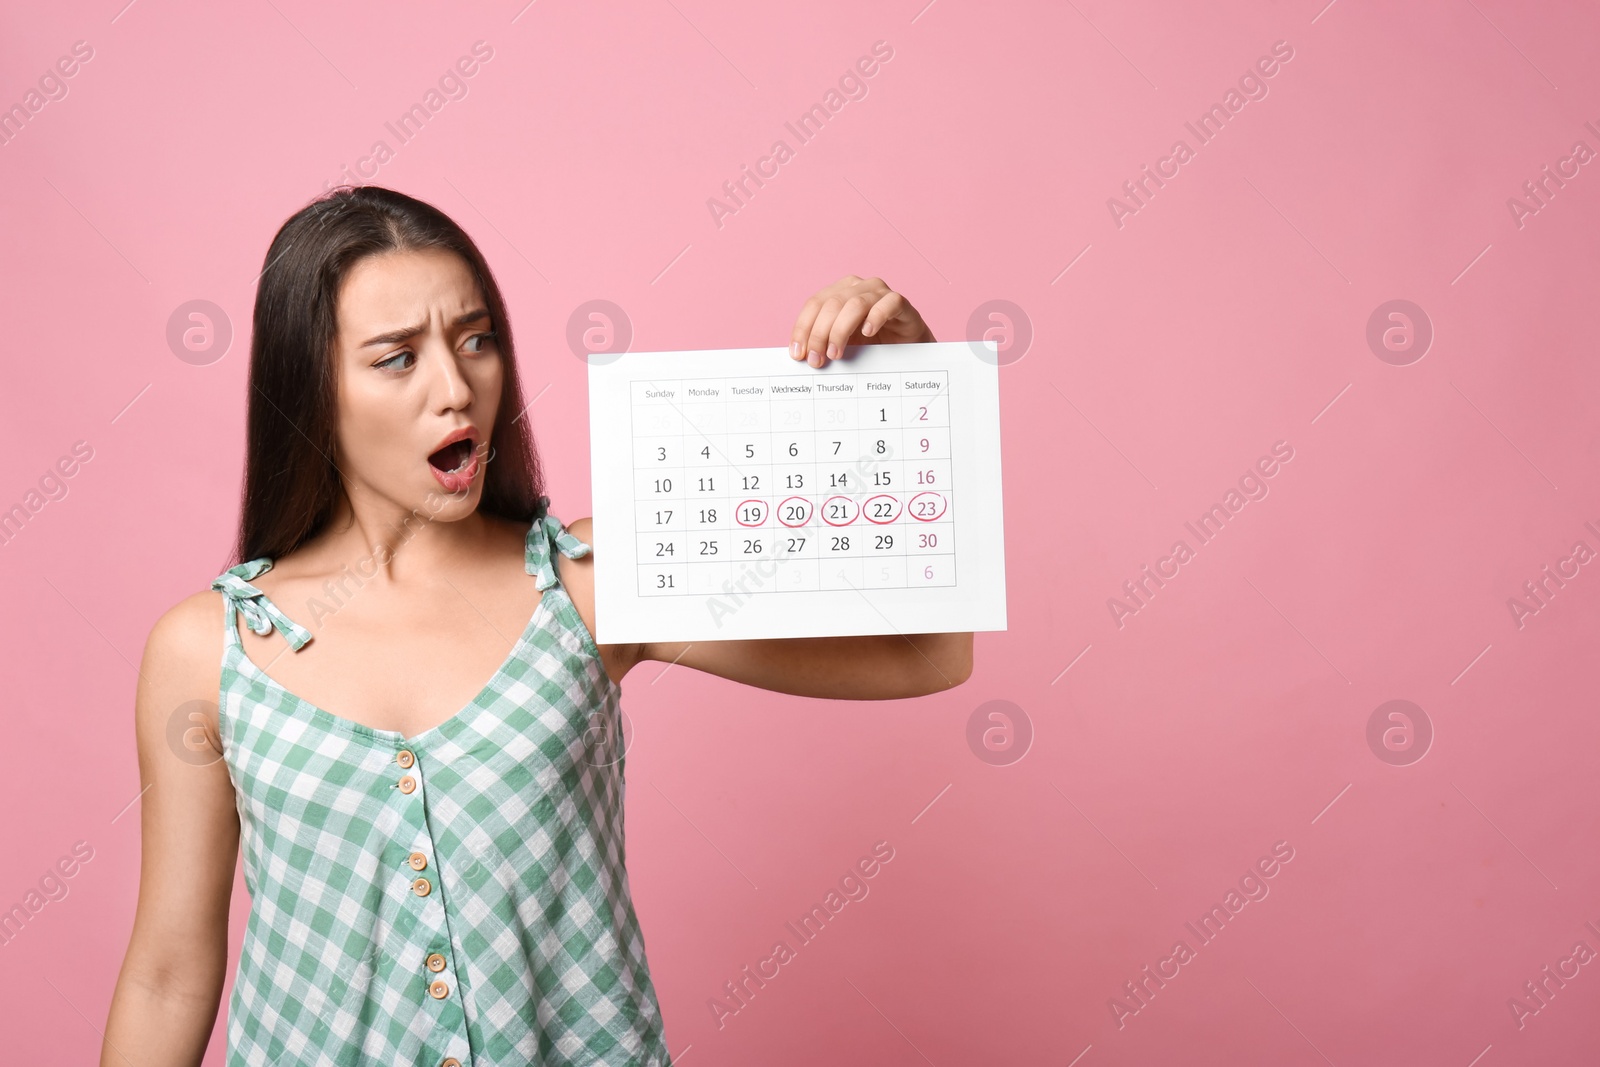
point(420, 865)
point(410, 783)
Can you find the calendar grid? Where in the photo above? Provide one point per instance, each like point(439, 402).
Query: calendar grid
point(772, 483)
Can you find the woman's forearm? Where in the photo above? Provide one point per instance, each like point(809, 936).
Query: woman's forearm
point(875, 667)
point(161, 1017)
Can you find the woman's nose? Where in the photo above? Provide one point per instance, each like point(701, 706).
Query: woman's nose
point(450, 387)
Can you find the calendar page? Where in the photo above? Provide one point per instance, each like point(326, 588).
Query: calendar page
point(739, 493)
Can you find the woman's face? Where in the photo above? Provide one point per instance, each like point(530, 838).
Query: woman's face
point(417, 367)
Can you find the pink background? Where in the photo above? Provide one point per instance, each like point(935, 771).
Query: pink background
point(1229, 313)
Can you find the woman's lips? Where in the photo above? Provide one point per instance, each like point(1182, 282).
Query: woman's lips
point(459, 480)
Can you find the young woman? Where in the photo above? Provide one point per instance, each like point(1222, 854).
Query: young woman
point(426, 887)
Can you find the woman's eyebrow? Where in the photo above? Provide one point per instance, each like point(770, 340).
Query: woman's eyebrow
point(395, 336)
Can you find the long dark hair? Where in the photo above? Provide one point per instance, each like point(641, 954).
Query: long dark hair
point(291, 482)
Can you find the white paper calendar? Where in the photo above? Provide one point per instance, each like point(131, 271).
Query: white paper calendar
point(739, 493)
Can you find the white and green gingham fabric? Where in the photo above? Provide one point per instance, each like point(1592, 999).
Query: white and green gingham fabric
point(455, 897)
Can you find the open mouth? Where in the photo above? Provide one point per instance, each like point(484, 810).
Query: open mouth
point(452, 457)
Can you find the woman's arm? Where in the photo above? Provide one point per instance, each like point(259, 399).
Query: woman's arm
point(851, 311)
point(170, 986)
point(881, 667)
point(841, 668)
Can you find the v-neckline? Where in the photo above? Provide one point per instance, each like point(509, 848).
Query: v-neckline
point(349, 725)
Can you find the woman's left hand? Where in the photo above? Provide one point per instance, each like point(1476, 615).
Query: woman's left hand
point(854, 311)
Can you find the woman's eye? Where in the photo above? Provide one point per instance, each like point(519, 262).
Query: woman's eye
point(483, 341)
point(388, 364)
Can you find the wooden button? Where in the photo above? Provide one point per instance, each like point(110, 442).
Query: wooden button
point(422, 887)
point(405, 757)
point(417, 861)
point(408, 784)
point(435, 963)
point(438, 990)
point(450, 1061)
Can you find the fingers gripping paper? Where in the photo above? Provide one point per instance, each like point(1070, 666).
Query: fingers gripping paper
point(741, 494)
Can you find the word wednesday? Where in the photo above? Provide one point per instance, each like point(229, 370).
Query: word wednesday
point(1252, 486)
point(1252, 884)
point(1252, 86)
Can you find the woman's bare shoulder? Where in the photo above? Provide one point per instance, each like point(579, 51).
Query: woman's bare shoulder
point(183, 654)
point(578, 574)
point(577, 577)
point(192, 621)
point(583, 530)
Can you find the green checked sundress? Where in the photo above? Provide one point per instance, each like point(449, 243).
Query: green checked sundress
point(457, 897)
